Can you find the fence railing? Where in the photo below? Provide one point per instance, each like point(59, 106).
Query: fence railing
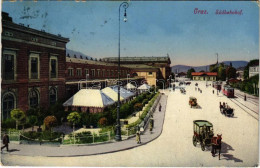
point(13, 135)
point(87, 138)
point(145, 122)
point(143, 125)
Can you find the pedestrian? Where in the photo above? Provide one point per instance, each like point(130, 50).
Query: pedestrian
point(5, 142)
point(195, 89)
point(151, 124)
point(138, 137)
point(213, 91)
point(245, 97)
point(160, 107)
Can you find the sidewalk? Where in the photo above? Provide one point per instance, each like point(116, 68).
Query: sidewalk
point(85, 150)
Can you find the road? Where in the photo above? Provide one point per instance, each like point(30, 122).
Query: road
point(174, 147)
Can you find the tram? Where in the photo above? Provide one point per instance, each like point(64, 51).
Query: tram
point(228, 91)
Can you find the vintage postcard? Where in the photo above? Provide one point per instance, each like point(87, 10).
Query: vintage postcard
point(130, 83)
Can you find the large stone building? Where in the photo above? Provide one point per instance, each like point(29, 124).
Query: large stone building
point(37, 73)
point(154, 69)
point(83, 73)
point(33, 67)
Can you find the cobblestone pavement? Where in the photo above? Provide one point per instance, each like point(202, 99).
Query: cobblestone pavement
point(84, 150)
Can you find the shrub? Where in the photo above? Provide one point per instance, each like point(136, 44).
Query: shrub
point(8, 123)
point(145, 101)
point(138, 106)
point(32, 121)
point(50, 121)
point(102, 122)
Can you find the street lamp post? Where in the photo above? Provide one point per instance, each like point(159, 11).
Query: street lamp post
point(118, 127)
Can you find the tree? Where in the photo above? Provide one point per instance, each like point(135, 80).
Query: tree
point(32, 120)
point(74, 118)
point(231, 72)
point(189, 73)
point(17, 115)
point(222, 73)
point(50, 121)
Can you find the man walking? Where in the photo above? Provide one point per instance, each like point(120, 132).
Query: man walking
point(5, 142)
point(138, 137)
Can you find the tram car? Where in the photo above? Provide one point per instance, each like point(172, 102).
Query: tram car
point(228, 91)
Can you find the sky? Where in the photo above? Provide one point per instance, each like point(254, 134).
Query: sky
point(153, 28)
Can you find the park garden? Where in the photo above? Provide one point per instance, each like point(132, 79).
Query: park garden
point(39, 125)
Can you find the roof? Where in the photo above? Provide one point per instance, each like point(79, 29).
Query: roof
point(85, 61)
point(138, 59)
point(130, 86)
point(89, 98)
point(123, 92)
point(204, 73)
point(144, 87)
point(201, 123)
point(7, 23)
point(140, 66)
point(112, 94)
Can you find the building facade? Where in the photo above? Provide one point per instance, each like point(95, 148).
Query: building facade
point(33, 67)
point(253, 70)
point(204, 76)
point(84, 73)
point(153, 69)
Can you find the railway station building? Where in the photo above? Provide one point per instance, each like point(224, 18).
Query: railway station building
point(33, 67)
point(153, 69)
point(204, 76)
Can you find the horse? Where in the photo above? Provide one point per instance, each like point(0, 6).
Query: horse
point(216, 145)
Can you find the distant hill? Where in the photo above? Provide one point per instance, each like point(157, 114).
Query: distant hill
point(185, 68)
point(78, 54)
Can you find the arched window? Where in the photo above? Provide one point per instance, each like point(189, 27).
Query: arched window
point(33, 98)
point(53, 95)
point(9, 104)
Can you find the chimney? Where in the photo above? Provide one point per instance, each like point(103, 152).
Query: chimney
point(6, 17)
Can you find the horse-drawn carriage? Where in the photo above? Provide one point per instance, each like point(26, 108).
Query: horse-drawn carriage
point(203, 133)
point(226, 110)
point(193, 102)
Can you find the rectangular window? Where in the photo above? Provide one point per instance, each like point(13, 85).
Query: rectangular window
point(79, 72)
point(86, 71)
point(150, 73)
point(112, 73)
point(70, 72)
point(93, 72)
point(8, 65)
point(34, 66)
point(104, 73)
point(98, 72)
point(53, 67)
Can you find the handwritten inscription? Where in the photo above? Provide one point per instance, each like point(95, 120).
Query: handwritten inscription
point(199, 11)
point(229, 12)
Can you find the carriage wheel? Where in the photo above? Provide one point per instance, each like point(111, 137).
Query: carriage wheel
point(202, 146)
point(194, 140)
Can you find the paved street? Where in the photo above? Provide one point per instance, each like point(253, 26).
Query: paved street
point(174, 146)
